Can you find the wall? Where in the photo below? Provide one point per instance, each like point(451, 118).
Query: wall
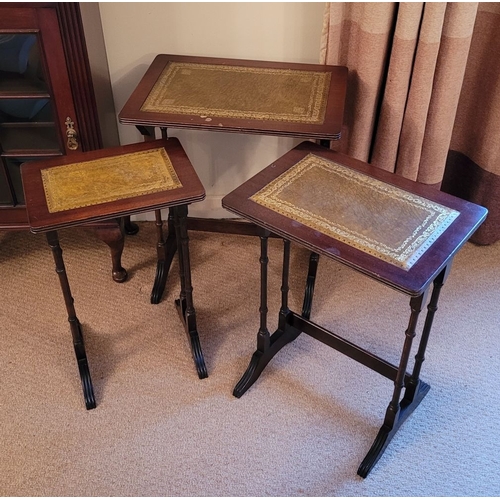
point(98, 63)
point(135, 33)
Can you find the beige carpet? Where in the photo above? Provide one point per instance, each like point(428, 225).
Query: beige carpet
point(301, 430)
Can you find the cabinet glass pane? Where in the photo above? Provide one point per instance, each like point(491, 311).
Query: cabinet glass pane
point(14, 172)
point(20, 65)
point(27, 125)
point(5, 195)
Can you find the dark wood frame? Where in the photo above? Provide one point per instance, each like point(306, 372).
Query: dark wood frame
point(80, 76)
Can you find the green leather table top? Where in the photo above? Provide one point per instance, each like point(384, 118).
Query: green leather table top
point(240, 92)
point(357, 209)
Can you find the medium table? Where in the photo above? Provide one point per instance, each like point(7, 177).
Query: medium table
point(393, 230)
point(234, 95)
point(104, 184)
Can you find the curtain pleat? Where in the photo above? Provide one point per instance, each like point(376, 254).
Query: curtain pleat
point(399, 79)
point(358, 37)
point(418, 105)
point(423, 96)
point(448, 80)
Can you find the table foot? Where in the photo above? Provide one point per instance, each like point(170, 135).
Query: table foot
point(260, 359)
point(88, 391)
point(119, 276)
point(258, 362)
point(130, 228)
point(387, 432)
point(159, 283)
point(311, 280)
point(111, 233)
point(162, 270)
point(83, 365)
point(189, 323)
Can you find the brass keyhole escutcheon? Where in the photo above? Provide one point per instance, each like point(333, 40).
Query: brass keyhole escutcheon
point(72, 142)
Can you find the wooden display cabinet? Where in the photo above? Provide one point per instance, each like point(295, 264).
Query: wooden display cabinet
point(47, 103)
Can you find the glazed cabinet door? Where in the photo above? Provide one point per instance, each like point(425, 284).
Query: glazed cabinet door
point(37, 111)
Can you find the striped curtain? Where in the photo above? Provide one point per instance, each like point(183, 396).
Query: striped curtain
point(423, 96)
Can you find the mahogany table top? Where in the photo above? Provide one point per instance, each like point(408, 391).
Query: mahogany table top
point(104, 184)
point(234, 95)
point(395, 230)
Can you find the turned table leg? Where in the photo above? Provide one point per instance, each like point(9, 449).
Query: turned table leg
point(261, 357)
point(397, 412)
point(269, 345)
point(185, 304)
point(412, 387)
point(76, 331)
point(415, 388)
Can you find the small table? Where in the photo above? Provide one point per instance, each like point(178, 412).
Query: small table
point(234, 95)
point(396, 231)
point(104, 184)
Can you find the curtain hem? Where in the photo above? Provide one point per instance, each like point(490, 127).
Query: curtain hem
point(467, 180)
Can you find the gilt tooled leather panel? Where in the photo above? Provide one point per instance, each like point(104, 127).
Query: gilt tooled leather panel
point(209, 90)
point(109, 179)
point(394, 225)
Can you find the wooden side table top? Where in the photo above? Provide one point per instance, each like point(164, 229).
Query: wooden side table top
point(233, 95)
point(108, 183)
point(397, 231)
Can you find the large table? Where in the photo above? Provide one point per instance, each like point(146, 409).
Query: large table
point(393, 230)
point(233, 95)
